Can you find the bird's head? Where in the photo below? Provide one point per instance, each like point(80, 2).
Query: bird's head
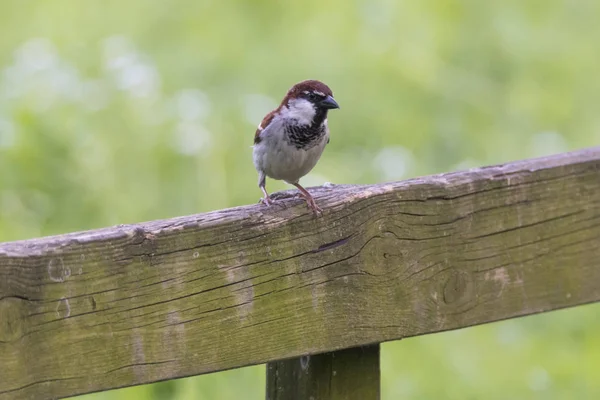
point(307, 102)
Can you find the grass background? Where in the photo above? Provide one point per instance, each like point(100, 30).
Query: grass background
point(126, 111)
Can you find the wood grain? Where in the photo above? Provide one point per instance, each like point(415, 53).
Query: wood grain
point(133, 304)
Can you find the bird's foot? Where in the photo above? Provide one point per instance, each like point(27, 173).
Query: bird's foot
point(315, 209)
point(312, 205)
point(267, 201)
point(310, 201)
point(270, 201)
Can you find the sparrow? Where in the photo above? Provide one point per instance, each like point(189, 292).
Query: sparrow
point(290, 139)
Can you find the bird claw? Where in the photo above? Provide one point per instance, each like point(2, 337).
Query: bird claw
point(310, 202)
point(316, 209)
point(312, 205)
point(266, 201)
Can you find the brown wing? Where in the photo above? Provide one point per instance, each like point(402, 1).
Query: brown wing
point(265, 122)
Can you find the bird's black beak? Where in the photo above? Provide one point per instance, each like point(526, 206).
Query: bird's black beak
point(328, 103)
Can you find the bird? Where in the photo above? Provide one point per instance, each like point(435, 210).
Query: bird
point(290, 140)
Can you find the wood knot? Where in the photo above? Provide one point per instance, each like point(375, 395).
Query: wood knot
point(142, 243)
point(12, 318)
point(304, 362)
point(458, 285)
point(63, 308)
point(57, 270)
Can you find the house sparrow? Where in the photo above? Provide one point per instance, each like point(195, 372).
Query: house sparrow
point(290, 139)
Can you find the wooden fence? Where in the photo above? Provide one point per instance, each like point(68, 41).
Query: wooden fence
point(312, 297)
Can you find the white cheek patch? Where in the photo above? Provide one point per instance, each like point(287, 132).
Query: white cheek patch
point(299, 109)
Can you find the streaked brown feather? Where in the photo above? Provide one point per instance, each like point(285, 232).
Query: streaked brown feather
point(265, 122)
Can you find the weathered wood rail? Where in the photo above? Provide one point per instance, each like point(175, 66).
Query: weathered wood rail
point(134, 304)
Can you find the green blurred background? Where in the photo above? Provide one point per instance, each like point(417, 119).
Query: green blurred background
point(125, 111)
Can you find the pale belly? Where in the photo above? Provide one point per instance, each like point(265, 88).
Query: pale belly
point(280, 160)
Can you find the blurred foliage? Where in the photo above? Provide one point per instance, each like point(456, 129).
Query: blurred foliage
point(124, 111)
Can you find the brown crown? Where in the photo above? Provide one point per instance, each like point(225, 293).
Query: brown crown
point(307, 85)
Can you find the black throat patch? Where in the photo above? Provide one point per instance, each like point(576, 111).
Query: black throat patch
point(307, 136)
point(304, 136)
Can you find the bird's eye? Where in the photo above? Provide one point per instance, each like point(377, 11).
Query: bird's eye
point(313, 96)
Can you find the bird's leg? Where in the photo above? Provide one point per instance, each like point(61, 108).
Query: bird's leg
point(265, 200)
point(310, 201)
point(261, 184)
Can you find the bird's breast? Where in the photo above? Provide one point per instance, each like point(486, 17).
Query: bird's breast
point(304, 136)
point(290, 155)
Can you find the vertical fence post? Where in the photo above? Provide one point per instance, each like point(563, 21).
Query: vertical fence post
point(339, 375)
